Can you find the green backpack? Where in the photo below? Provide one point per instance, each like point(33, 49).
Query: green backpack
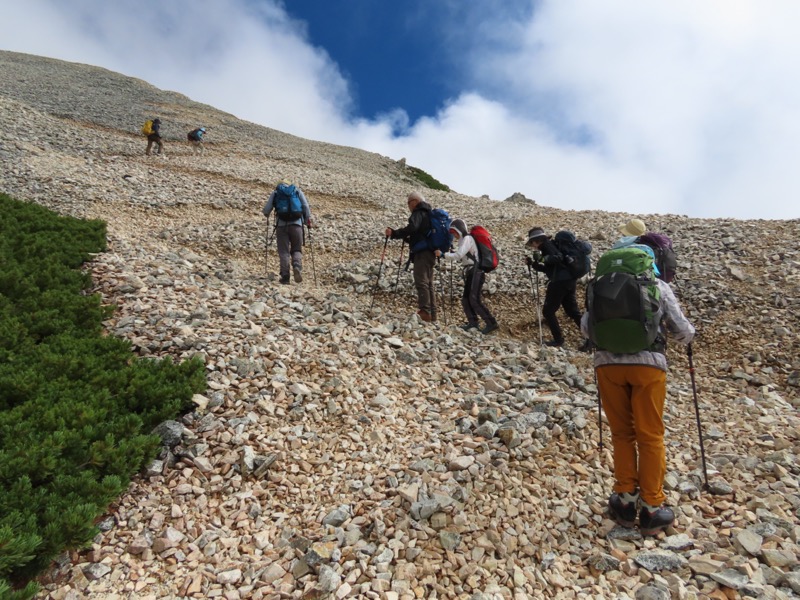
point(624, 303)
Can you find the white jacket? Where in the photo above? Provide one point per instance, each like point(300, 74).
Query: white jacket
point(466, 252)
point(673, 323)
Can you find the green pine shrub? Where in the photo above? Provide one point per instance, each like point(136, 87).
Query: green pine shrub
point(76, 406)
point(427, 180)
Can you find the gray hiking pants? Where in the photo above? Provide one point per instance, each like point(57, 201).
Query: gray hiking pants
point(423, 280)
point(290, 248)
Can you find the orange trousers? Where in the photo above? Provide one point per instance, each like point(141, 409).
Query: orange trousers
point(633, 398)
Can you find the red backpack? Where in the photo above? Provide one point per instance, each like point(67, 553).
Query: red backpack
point(488, 259)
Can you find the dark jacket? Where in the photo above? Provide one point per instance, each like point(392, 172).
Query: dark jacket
point(552, 263)
point(156, 130)
point(419, 223)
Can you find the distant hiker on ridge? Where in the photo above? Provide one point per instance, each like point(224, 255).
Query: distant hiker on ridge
point(292, 212)
point(415, 233)
point(152, 129)
point(195, 138)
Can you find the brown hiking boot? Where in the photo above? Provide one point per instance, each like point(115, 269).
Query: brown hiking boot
point(424, 315)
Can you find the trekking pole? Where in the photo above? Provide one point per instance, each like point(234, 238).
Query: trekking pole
point(599, 411)
point(443, 288)
point(399, 265)
point(535, 294)
point(452, 268)
point(311, 245)
point(266, 248)
point(538, 307)
point(380, 268)
point(697, 415)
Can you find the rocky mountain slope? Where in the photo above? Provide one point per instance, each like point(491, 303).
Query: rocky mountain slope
point(348, 453)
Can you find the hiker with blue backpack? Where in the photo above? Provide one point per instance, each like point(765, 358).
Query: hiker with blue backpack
point(469, 253)
point(292, 212)
point(195, 139)
point(629, 312)
point(564, 260)
point(421, 246)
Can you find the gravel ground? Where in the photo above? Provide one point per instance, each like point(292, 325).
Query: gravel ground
point(346, 453)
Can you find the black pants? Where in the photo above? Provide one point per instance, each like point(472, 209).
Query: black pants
point(561, 293)
point(471, 300)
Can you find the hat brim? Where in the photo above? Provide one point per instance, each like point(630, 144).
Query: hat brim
point(625, 231)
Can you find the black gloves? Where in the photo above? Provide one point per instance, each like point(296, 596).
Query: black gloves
point(533, 261)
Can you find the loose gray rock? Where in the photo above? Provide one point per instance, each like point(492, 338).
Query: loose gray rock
point(659, 560)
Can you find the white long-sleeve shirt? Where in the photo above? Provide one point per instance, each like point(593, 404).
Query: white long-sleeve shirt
point(466, 252)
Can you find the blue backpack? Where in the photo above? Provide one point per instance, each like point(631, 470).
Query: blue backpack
point(287, 202)
point(438, 236)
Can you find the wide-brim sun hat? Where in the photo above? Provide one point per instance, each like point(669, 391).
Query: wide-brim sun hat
point(634, 227)
point(537, 233)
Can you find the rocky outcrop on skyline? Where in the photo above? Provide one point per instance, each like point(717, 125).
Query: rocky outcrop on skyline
point(346, 453)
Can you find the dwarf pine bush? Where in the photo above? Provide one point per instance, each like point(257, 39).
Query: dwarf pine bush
point(428, 180)
point(76, 407)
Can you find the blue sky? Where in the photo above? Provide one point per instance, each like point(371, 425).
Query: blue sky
point(680, 107)
point(389, 52)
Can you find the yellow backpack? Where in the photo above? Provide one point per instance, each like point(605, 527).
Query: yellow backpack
point(147, 128)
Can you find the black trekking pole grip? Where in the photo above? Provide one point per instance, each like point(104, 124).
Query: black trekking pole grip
point(697, 415)
point(380, 268)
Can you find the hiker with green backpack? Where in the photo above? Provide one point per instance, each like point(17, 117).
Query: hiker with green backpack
point(563, 260)
point(291, 213)
point(629, 312)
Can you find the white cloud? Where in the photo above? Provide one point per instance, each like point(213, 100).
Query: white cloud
point(681, 107)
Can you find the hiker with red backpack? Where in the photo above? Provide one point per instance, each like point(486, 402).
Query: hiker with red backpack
point(292, 212)
point(629, 312)
point(416, 233)
point(469, 253)
point(562, 269)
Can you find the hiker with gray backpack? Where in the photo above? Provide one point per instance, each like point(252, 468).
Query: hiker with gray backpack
point(563, 259)
point(629, 312)
point(292, 212)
